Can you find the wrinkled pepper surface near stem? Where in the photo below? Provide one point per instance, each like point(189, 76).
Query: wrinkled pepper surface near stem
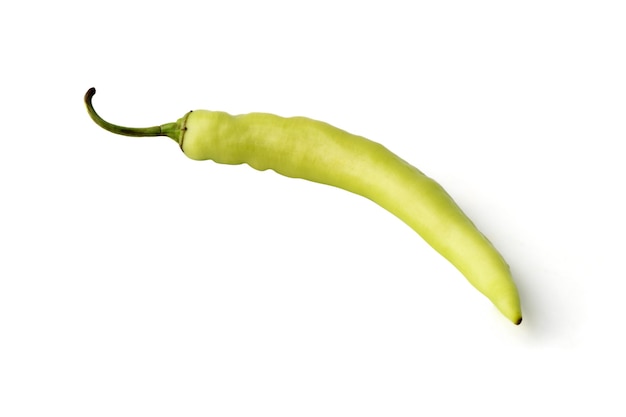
point(299, 147)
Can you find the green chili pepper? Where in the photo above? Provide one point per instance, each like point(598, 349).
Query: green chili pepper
point(299, 147)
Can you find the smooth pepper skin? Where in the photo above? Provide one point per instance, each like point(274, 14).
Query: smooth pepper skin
point(299, 147)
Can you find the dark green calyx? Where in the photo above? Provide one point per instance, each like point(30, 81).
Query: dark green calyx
point(171, 130)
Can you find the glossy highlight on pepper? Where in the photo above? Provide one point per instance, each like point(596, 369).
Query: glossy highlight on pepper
point(300, 147)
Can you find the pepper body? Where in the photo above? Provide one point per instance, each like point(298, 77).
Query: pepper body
point(299, 147)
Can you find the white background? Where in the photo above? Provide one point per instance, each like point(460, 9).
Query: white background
point(136, 282)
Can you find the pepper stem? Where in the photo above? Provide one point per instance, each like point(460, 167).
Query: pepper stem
point(171, 130)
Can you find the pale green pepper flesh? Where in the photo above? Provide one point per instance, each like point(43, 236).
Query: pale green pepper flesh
point(299, 147)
